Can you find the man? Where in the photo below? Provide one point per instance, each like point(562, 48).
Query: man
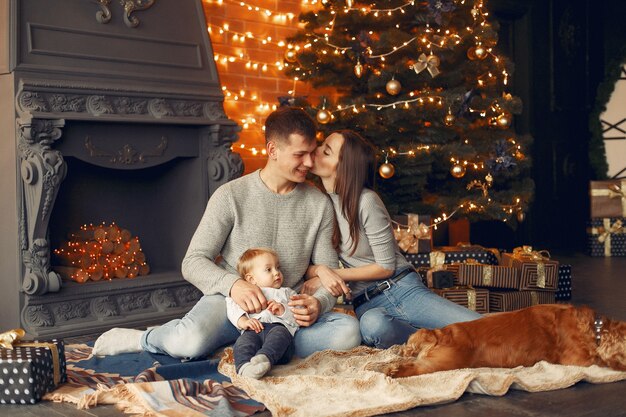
point(273, 207)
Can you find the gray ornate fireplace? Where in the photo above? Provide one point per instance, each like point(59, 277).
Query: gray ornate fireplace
point(110, 111)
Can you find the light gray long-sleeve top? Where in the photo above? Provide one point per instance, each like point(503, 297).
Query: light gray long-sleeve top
point(376, 240)
point(243, 214)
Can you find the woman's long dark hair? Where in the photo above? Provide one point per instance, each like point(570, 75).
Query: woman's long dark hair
point(355, 171)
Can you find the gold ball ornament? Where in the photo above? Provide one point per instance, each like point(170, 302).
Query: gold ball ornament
point(290, 55)
point(480, 52)
point(393, 87)
point(386, 170)
point(504, 120)
point(458, 171)
point(323, 116)
point(449, 119)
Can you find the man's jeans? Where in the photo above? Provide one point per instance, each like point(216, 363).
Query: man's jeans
point(205, 328)
point(408, 305)
point(274, 341)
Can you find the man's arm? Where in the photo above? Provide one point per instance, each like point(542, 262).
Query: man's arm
point(199, 267)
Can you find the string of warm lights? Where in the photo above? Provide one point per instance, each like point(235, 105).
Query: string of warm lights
point(250, 64)
point(242, 37)
point(267, 13)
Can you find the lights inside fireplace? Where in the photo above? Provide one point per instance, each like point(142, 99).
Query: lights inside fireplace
point(101, 252)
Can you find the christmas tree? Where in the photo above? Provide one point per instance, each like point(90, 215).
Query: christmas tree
point(424, 82)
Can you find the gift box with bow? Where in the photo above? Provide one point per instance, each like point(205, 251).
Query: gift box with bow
point(29, 369)
point(537, 270)
point(608, 198)
point(606, 237)
point(413, 233)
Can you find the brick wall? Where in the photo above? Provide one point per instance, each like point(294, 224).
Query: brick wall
point(267, 85)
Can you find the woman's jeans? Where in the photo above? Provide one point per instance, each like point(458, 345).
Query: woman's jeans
point(408, 305)
point(205, 328)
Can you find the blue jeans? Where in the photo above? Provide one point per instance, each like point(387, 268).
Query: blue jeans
point(205, 328)
point(408, 305)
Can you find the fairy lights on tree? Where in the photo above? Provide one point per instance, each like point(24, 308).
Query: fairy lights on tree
point(424, 81)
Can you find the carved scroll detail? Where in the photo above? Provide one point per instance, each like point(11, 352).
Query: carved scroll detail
point(127, 155)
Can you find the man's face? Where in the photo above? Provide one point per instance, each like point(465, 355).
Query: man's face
point(295, 158)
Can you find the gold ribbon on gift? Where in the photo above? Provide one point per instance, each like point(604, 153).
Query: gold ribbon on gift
point(471, 299)
point(430, 62)
point(437, 258)
point(527, 253)
point(11, 339)
point(534, 298)
point(604, 233)
point(613, 191)
point(408, 239)
point(487, 275)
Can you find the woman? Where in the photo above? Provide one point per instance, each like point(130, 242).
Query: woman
point(389, 298)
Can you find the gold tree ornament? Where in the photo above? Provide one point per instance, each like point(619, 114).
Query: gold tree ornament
point(386, 170)
point(290, 56)
point(323, 116)
point(449, 118)
point(504, 120)
point(471, 53)
point(458, 171)
point(393, 86)
point(358, 69)
point(521, 216)
point(480, 52)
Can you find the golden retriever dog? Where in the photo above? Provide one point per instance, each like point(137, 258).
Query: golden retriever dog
point(556, 333)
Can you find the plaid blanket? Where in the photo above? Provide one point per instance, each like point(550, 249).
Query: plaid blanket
point(148, 384)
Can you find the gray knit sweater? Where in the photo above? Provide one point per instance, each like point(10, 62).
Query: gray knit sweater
point(376, 241)
point(244, 213)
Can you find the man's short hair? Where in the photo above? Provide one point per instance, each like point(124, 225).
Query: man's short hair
point(284, 121)
point(246, 260)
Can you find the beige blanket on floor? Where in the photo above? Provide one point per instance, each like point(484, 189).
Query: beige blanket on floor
point(331, 383)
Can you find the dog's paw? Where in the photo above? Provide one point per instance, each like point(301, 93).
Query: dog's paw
point(388, 368)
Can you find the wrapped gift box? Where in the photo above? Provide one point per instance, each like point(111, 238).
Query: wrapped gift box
point(30, 370)
point(608, 198)
point(439, 278)
point(489, 276)
point(536, 271)
point(476, 299)
point(413, 233)
point(453, 255)
point(514, 300)
point(564, 287)
point(606, 237)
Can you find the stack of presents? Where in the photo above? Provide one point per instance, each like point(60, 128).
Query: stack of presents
point(606, 231)
point(29, 369)
point(482, 279)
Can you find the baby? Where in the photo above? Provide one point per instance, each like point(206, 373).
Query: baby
point(266, 337)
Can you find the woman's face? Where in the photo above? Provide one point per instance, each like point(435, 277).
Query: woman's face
point(327, 157)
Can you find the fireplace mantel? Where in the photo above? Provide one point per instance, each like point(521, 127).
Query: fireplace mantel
point(92, 84)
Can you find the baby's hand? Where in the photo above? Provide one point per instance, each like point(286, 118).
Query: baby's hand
point(275, 308)
point(250, 324)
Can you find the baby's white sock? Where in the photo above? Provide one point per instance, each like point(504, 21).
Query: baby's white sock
point(256, 368)
point(118, 340)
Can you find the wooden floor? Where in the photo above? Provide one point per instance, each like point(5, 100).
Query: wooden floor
point(597, 282)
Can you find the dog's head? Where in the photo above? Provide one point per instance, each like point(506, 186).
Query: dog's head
point(612, 348)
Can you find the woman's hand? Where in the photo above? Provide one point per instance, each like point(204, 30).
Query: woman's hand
point(305, 308)
point(333, 282)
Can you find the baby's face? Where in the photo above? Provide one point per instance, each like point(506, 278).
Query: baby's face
point(266, 271)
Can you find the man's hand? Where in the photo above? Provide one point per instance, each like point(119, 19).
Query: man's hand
point(311, 285)
point(248, 296)
point(247, 323)
point(333, 282)
point(305, 308)
point(275, 308)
